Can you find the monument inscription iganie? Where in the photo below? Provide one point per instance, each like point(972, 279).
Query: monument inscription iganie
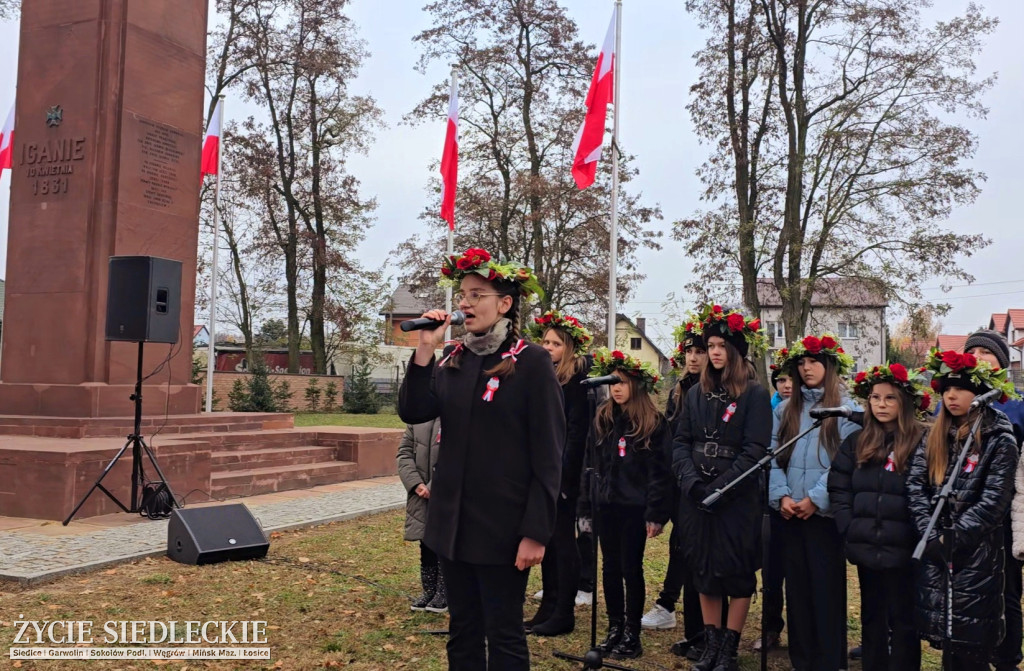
point(49, 164)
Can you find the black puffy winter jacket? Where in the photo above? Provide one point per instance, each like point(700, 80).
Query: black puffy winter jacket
point(870, 508)
point(981, 499)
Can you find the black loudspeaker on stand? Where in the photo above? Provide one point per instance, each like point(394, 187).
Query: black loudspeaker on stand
point(594, 658)
point(215, 533)
point(143, 299)
point(143, 304)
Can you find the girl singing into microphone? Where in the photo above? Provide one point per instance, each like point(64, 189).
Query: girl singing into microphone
point(496, 481)
point(722, 432)
point(979, 502)
point(567, 341)
point(866, 487)
point(815, 566)
point(629, 446)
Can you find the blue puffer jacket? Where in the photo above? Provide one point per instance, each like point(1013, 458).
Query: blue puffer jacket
point(807, 474)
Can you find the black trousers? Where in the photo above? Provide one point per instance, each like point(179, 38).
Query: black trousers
point(678, 580)
point(773, 575)
point(815, 594)
point(967, 658)
point(887, 617)
point(485, 604)
point(560, 568)
point(1008, 653)
point(622, 533)
point(427, 557)
point(585, 546)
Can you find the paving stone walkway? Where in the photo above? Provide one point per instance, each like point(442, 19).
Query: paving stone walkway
point(37, 550)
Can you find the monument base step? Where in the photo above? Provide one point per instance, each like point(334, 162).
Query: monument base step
point(45, 477)
point(253, 481)
point(90, 427)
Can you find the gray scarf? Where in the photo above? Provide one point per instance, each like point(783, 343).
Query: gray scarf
point(488, 343)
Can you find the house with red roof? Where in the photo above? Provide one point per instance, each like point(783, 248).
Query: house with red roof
point(1011, 325)
point(950, 342)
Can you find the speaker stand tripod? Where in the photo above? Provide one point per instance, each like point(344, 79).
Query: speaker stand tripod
point(139, 446)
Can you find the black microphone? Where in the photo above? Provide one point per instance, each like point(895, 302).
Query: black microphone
point(988, 397)
point(824, 413)
point(857, 417)
point(597, 381)
point(458, 317)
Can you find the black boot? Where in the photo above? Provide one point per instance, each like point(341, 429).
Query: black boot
point(727, 653)
point(439, 604)
point(428, 580)
point(712, 642)
point(690, 648)
point(556, 625)
point(547, 608)
point(629, 646)
point(612, 639)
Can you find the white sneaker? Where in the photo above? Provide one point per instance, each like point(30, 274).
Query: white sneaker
point(584, 598)
point(658, 618)
point(539, 595)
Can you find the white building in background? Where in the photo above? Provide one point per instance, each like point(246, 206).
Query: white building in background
point(847, 307)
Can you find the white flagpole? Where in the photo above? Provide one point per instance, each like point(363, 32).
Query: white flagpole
point(613, 243)
point(451, 231)
point(211, 354)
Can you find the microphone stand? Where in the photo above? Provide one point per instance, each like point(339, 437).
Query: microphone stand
point(765, 464)
point(594, 658)
point(942, 509)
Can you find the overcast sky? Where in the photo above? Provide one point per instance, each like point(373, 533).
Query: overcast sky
point(658, 40)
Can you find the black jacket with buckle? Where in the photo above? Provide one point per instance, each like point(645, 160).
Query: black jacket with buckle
point(709, 452)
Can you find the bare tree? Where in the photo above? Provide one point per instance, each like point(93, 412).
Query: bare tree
point(295, 58)
point(523, 79)
point(835, 156)
point(9, 9)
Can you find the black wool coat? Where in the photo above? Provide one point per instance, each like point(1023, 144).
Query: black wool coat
point(577, 426)
point(725, 540)
point(499, 465)
point(870, 508)
point(641, 478)
point(980, 503)
point(687, 381)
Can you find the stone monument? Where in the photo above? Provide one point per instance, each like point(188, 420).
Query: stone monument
point(106, 162)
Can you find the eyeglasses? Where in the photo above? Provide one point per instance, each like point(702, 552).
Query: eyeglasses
point(878, 399)
point(472, 297)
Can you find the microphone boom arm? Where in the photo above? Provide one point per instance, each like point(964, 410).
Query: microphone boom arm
point(714, 496)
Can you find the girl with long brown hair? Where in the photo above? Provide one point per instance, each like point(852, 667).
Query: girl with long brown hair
point(980, 499)
point(688, 360)
point(722, 432)
point(867, 491)
point(815, 566)
point(495, 485)
point(567, 341)
point(630, 444)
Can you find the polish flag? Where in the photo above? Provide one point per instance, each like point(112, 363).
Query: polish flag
point(7, 141)
point(211, 146)
point(586, 148)
point(450, 157)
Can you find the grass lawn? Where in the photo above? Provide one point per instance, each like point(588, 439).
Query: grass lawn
point(333, 596)
point(380, 420)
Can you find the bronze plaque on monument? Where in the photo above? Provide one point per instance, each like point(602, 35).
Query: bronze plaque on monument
point(106, 163)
